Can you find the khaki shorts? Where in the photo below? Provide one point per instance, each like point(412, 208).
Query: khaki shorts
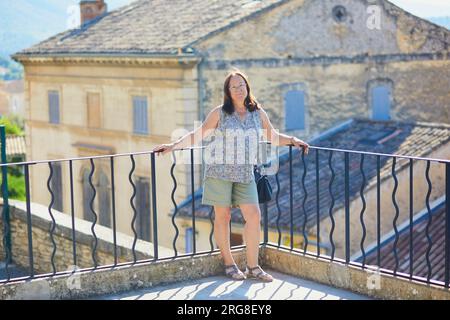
point(219, 192)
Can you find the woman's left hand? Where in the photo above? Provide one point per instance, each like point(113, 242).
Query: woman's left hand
point(296, 142)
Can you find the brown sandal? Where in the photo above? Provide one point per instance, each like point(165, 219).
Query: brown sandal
point(234, 273)
point(258, 273)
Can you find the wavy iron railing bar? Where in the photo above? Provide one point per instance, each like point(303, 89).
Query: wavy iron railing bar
point(430, 220)
point(305, 220)
point(397, 213)
point(94, 193)
point(174, 203)
point(363, 209)
point(333, 223)
point(53, 224)
point(133, 196)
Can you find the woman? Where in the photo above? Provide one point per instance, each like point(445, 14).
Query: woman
point(228, 185)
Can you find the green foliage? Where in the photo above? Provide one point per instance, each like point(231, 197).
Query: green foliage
point(13, 125)
point(16, 186)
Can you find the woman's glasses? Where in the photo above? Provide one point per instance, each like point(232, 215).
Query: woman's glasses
point(234, 88)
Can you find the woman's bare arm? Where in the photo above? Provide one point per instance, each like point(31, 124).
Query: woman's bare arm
point(194, 136)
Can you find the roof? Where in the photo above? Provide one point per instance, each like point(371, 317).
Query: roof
point(15, 145)
point(389, 137)
point(151, 27)
point(420, 247)
point(160, 27)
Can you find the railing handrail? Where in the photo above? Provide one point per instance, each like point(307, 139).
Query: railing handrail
point(202, 147)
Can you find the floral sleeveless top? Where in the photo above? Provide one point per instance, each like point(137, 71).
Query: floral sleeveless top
point(233, 152)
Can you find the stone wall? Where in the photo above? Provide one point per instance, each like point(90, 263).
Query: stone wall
point(299, 46)
point(63, 257)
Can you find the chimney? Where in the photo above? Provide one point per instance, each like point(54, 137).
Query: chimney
point(91, 9)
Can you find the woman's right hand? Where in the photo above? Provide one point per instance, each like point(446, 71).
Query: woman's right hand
point(163, 149)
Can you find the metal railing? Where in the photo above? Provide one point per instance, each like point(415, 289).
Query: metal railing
point(338, 177)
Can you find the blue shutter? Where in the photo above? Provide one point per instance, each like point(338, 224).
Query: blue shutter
point(381, 104)
point(145, 115)
point(294, 106)
point(53, 105)
point(140, 115)
point(135, 115)
point(188, 239)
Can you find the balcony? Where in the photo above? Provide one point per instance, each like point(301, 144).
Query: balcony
point(339, 258)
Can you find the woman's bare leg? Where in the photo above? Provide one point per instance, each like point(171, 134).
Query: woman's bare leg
point(222, 232)
point(252, 232)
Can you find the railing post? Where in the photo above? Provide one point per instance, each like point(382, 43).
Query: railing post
point(155, 214)
point(6, 218)
point(194, 247)
point(447, 224)
point(266, 224)
point(347, 208)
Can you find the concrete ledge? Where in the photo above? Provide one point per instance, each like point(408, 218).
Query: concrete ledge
point(86, 284)
point(339, 275)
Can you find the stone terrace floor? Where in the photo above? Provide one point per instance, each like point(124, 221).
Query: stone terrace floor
point(284, 287)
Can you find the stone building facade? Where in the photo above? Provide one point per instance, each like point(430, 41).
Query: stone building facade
point(312, 64)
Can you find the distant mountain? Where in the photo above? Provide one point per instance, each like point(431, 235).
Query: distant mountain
point(24, 23)
point(442, 21)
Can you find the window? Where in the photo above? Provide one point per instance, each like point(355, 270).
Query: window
point(188, 239)
point(381, 102)
point(104, 202)
point(56, 186)
point(140, 117)
point(294, 108)
point(143, 221)
point(53, 106)
point(93, 110)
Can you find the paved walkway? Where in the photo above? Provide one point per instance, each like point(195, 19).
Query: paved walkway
point(219, 287)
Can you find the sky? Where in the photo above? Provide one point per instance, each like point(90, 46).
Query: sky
point(425, 8)
point(420, 8)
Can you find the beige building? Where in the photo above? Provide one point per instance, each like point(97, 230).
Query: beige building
point(129, 79)
point(12, 98)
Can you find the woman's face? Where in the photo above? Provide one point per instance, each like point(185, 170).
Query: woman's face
point(238, 89)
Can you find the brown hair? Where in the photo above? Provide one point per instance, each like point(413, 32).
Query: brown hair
point(250, 102)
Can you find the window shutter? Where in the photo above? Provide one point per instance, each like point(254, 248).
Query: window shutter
point(53, 101)
point(140, 115)
point(381, 104)
point(294, 110)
